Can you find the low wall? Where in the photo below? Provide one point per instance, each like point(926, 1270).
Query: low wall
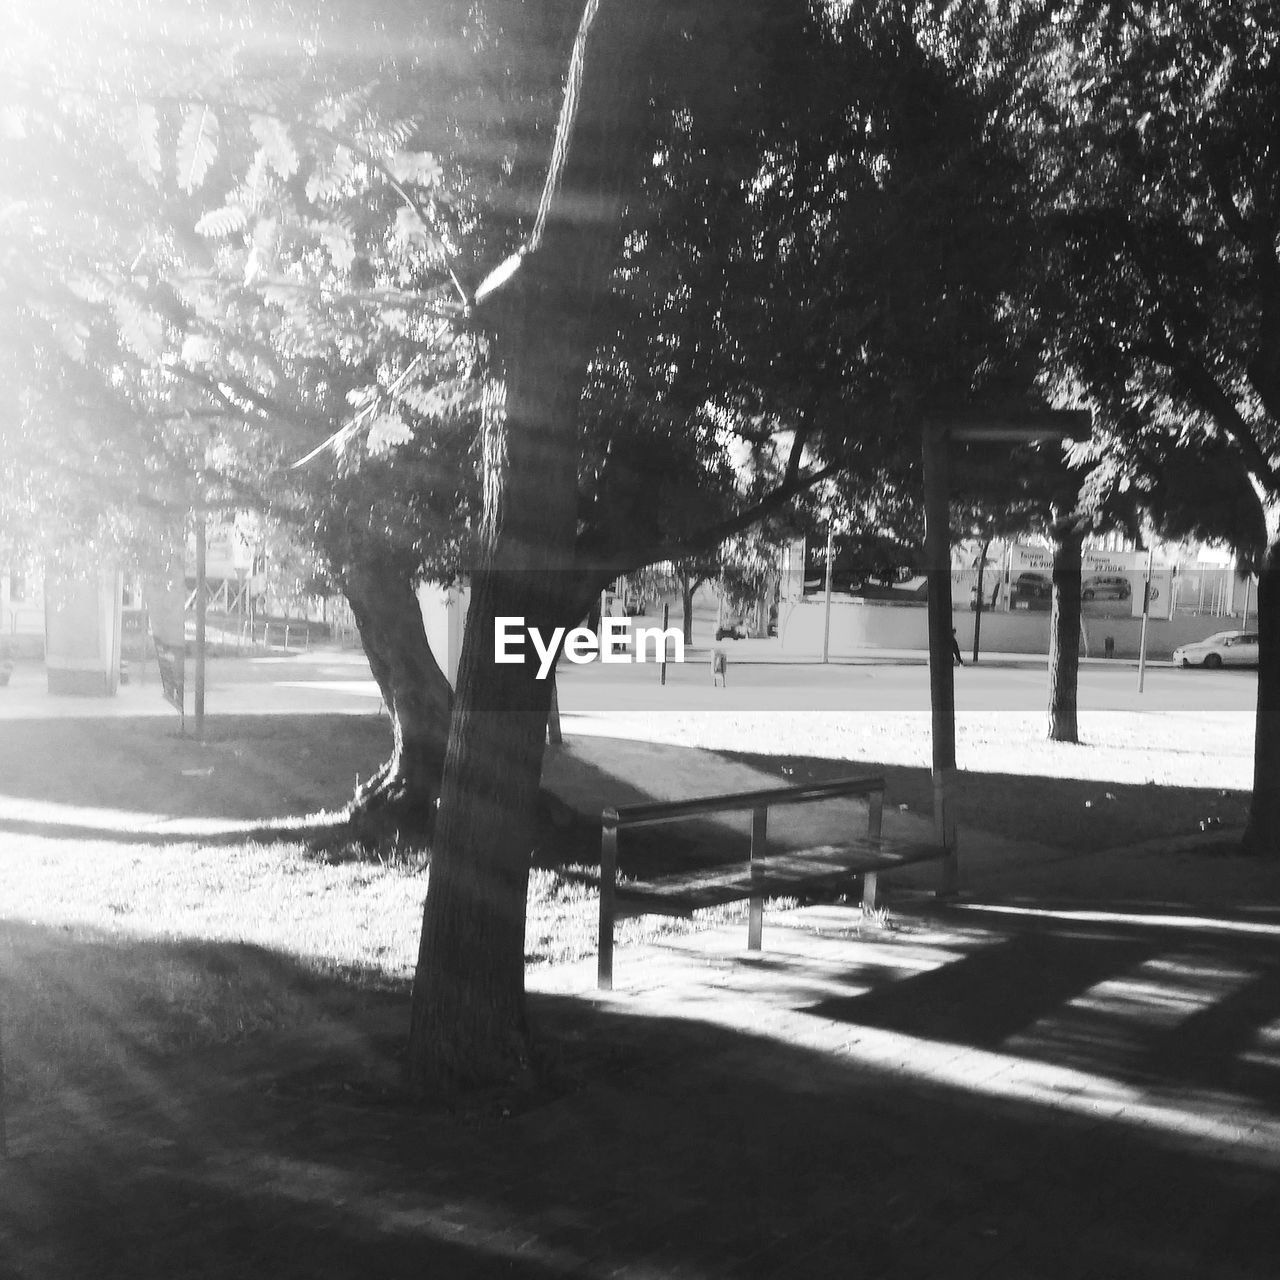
point(859, 625)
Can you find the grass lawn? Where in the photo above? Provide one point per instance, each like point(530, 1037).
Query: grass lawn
point(1077, 814)
point(162, 895)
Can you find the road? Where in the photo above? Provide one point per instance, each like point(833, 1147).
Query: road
point(339, 681)
point(898, 683)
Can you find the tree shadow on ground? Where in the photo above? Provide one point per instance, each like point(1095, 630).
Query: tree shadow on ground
point(134, 779)
point(1071, 815)
point(1082, 815)
point(667, 1143)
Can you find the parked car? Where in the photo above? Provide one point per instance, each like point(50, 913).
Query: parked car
point(1031, 591)
point(731, 631)
point(1105, 587)
point(1033, 584)
point(1225, 649)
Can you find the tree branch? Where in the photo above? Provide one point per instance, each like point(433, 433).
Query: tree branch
point(1261, 368)
point(1177, 354)
point(1232, 218)
point(712, 535)
point(1205, 389)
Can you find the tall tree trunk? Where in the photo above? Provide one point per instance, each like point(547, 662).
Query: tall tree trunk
point(1262, 832)
point(687, 588)
point(977, 599)
point(468, 1022)
point(401, 796)
point(1064, 636)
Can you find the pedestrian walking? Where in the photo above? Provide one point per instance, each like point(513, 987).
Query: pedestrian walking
point(955, 649)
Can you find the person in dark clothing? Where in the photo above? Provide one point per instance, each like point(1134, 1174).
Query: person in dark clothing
point(955, 649)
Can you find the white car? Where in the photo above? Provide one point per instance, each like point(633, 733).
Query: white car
point(1226, 649)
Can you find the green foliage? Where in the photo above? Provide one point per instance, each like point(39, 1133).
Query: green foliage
point(1152, 129)
point(212, 267)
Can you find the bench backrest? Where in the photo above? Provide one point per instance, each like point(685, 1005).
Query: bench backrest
point(653, 812)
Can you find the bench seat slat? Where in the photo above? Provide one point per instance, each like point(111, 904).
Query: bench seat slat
point(714, 887)
point(856, 857)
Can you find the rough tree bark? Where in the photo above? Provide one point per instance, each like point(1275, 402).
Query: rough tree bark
point(688, 585)
point(402, 795)
point(468, 1022)
point(1262, 831)
point(978, 601)
point(1064, 635)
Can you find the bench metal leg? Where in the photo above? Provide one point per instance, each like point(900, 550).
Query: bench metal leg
point(875, 828)
point(875, 815)
point(608, 888)
point(759, 839)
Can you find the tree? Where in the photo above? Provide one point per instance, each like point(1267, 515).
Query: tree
point(805, 216)
point(222, 257)
point(1153, 130)
point(682, 577)
point(468, 1005)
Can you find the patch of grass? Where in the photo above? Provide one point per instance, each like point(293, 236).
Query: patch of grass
point(115, 953)
point(79, 1005)
point(1071, 813)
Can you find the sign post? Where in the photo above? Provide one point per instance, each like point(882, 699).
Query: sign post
point(1146, 613)
point(942, 688)
point(937, 438)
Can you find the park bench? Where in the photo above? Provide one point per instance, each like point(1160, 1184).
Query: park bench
point(761, 874)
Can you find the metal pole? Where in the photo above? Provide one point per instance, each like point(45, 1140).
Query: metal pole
point(942, 690)
point(1244, 619)
point(666, 618)
point(200, 625)
point(826, 617)
point(1146, 613)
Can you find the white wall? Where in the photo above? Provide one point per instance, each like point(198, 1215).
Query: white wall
point(444, 609)
point(861, 626)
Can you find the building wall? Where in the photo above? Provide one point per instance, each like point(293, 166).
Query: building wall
point(859, 626)
point(21, 613)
